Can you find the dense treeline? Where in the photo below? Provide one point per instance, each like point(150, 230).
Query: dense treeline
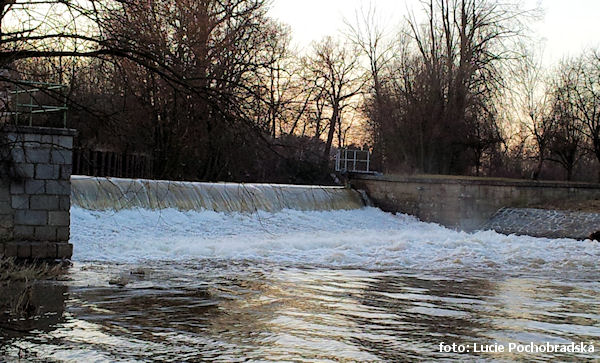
point(461, 94)
point(213, 89)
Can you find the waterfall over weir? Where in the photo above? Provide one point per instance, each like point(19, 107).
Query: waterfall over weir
point(117, 194)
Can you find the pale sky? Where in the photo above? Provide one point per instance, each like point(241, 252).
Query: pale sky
point(568, 26)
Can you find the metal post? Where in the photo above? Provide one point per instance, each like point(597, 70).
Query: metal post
point(16, 105)
point(30, 109)
point(65, 108)
point(354, 165)
point(345, 159)
point(368, 157)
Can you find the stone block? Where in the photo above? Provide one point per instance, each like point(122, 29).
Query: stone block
point(64, 250)
point(20, 201)
point(32, 145)
point(12, 137)
point(58, 187)
point(11, 249)
point(24, 170)
point(66, 171)
point(43, 250)
point(63, 141)
point(64, 203)
point(43, 202)
point(17, 154)
point(44, 233)
point(34, 186)
point(6, 234)
point(6, 221)
point(37, 155)
point(46, 171)
point(58, 218)
point(4, 192)
point(32, 137)
point(31, 217)
point(61, 156)
point(17, 187)
point(23, 232)
point(24, 250)
point(5, 208)
point(63, 234)
point(47, 140)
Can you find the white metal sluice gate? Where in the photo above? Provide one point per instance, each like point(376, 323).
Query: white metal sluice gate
point(352, 161)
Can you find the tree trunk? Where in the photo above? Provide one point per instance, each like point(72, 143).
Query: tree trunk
point(538, 169)
point(331, 133)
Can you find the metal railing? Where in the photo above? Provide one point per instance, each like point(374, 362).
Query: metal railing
point(28, 99)
point(353, 160)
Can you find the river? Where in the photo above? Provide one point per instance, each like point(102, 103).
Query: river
point(338, 285)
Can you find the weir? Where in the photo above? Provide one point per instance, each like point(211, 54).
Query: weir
point(468, 203)
point(119, 193)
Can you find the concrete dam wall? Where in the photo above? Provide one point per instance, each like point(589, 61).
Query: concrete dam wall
point(468, 203)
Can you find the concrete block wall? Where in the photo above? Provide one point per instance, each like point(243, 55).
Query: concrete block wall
point(6, 212)
point(35, 192)
point(465, 203)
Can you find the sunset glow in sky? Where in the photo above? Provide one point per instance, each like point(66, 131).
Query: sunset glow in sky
point(567, 27)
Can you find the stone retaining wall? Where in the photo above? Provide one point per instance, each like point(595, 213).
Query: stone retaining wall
point(35, 192)
point(465, 203)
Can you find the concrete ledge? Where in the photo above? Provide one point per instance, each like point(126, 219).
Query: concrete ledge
point(472, 180)
point(36, 250)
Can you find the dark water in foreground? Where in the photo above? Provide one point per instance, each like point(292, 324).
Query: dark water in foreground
point(243, 310)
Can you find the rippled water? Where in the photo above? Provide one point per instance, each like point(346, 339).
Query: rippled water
point(307, 286)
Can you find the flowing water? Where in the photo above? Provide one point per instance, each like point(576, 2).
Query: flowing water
point(119, 193)
point(295, 281)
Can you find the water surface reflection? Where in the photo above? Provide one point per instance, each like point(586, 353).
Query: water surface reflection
point(234, 311)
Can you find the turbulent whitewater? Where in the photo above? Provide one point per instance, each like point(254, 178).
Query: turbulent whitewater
point(362, 238)
point(135, 220)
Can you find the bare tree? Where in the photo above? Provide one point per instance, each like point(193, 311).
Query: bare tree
point(585, 92)
point(335, 69)
point(445, 91)
point(367, 33)
point(533, 95)
point(566, 137)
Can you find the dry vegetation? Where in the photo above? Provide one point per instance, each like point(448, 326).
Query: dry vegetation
point(12, 270)
point(17, 280)
point(213, 90)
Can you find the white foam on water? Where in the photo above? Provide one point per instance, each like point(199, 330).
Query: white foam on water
point(365, 238)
